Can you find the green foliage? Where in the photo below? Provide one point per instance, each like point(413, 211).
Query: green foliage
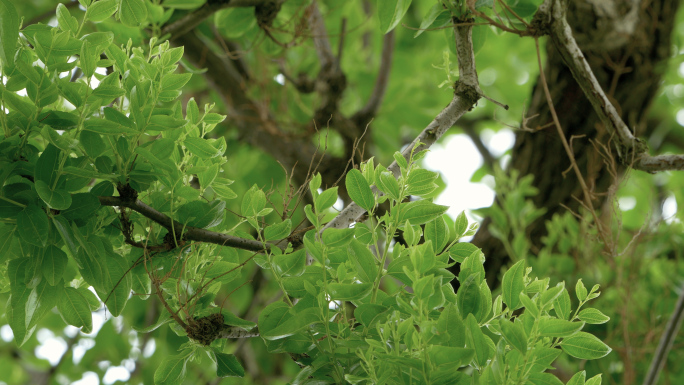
point(357, 306)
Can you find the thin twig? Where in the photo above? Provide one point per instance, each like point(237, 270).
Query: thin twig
point(666, 341)
point(585, 190)
point(370, 109)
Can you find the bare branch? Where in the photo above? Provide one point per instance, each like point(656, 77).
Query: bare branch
point(189, 233)
point(320, 37)
point(666, 341)
point(371, 107)
point(193, 19)
point(466, 94)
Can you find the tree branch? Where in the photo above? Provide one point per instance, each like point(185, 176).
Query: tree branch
point(666, 341)
point(236, 332)
point(189, 233)
point(320, 37)
point(188, 22)
point(632, 150)
point(371, 108)
point(466, 94)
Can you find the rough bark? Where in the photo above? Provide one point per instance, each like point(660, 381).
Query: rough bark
point(626, 42)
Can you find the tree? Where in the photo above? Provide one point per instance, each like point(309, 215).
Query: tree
point(117, 162)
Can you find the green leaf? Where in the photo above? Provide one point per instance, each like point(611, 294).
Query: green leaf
point(562, 305)
point(233, 320)
point(326, 199)
point(543, 357)
point(235, 22)
point(585, 346)
point(514, 334)
point(107, 127)
point(108, 92)
point(389, 185)
point(469, 295)
point(420, 212)
point(133, 13)
point(33, 225)
point(74, 309)
point(47, 165)
point(154, 161)
point(429, 19)
point(183, 4)
point(348, 291)
point(92, 143)
point(9, 32)
point(476, 340)
point(390, 13)
point(437, 232)
point(18, 103)
point(554, 327)
point(596, 380)
point(165, 123)
point(512, 285)
point(278, 231)
point(580, 290)
point(364, 261)
point(117, 283)
point(57, 199)
point(223, 271)
point(54, 264)
point(451, 356)
point(202, 214)
point(171, 371)
point(62, 226)
point(543, 379)
point(421, 182)
point(201, 148)
point(227, 365)
point(337, 237)
point(65, 20)
point(40, 301)
point(578, 378)
point(460, 251)
point(460, 225)
point(369, 314)
point(593, 316)
point(292, 325)
point(551, 294)
point(101, 10)
point(172, 82)
point(290, 265)
point(359, 190)
point(224, 192)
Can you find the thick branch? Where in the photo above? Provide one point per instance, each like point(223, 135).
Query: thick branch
point(466, 94)
point(188, 22)
point(371, 107)
point(632, 150)
point(189, 233)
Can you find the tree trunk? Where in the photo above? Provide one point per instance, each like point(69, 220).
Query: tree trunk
point(627, 43)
